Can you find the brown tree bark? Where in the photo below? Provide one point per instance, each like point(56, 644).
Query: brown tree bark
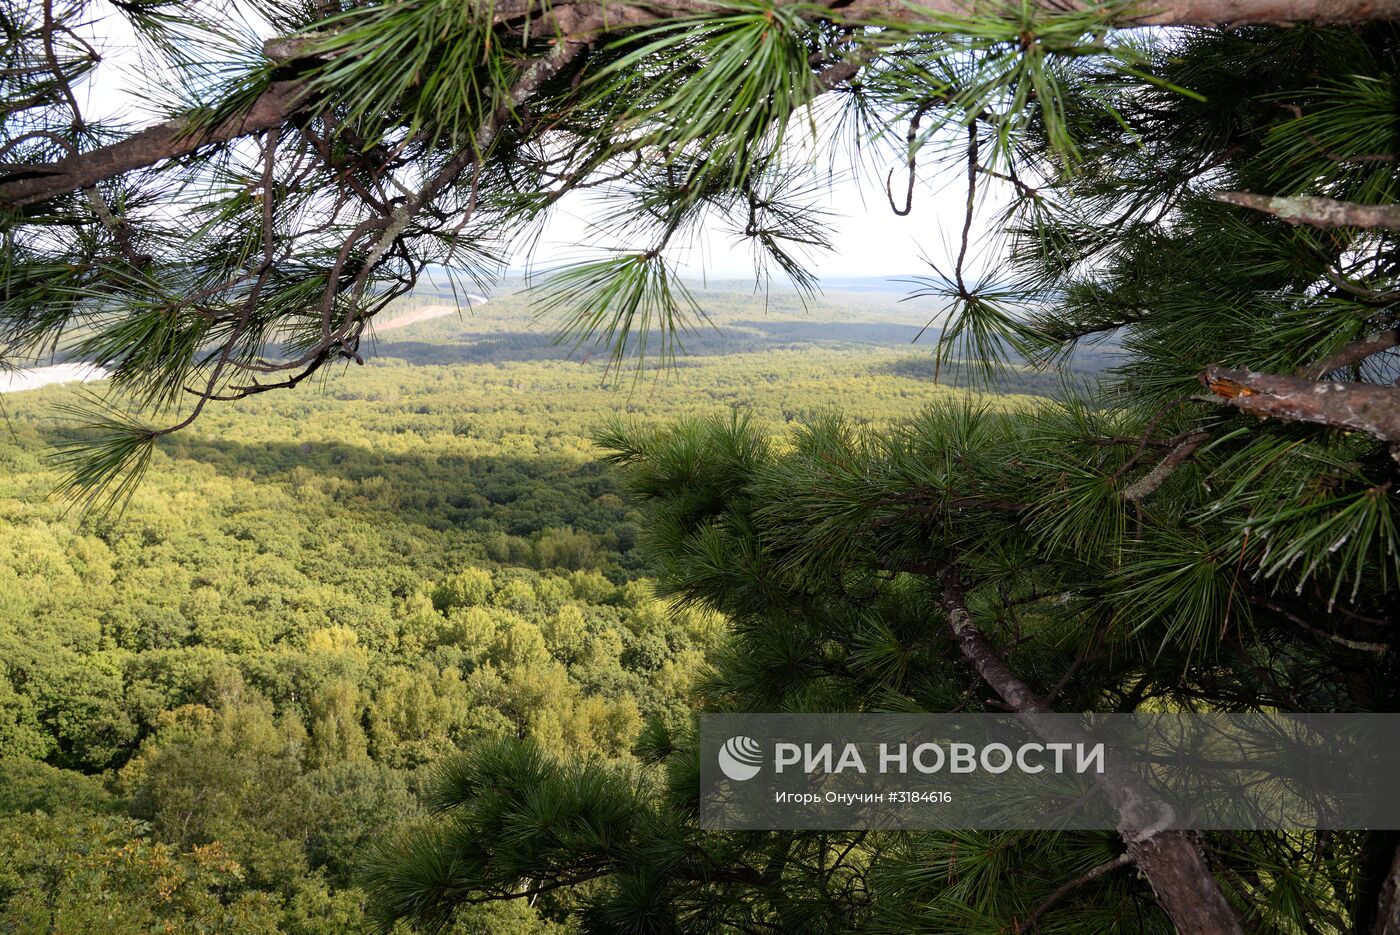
point(586, 21)
point(1146, 13)
point(1363, 407)
point(1316, 212)
point(1388, 905)
point(1171, 861)
point(1237, 12)
point(33, 184)
point(1354, 353)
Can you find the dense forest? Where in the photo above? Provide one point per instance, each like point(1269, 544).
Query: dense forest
point(213, 704)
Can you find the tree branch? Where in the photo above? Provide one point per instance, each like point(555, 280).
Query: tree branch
point(913, 162)
point(1363, 407)
point(31, 184)
point(1388, 904)
point(1364, 646)
point(586, 21)
point(388, 231)
point(1149, 482)
point(1316, 212)
point(1170, 860)
point(1353, 353)
point(1148, 13)
point(1033, 920)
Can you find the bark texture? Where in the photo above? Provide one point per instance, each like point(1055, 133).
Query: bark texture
point(1388, 906)
point(1163, 469)
point(1171, 861)
point(1363, 407)
point(274, 107)
point(1316, 212)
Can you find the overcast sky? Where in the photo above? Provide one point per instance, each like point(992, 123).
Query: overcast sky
point(869, 238)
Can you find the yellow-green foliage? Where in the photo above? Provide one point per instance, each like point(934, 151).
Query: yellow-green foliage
point(314, 596)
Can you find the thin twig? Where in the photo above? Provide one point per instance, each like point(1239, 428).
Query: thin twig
point(1033, 920)
point(1364, 646)
point(912, 139)
point(1353, 353)
point(972, 145)
point(1144, 440)
point(1149, 482)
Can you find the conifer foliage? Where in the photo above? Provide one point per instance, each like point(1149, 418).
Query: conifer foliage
point(1215, 529)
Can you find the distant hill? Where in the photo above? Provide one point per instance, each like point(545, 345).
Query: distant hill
point(441, 325)
point(856, 314)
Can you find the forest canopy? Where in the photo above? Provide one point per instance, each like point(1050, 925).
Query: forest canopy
point(212, 706)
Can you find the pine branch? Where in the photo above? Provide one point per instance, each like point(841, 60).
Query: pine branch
point(1316, 212)
point(32, 184)
point(1363, 407)
point(392, 226)
point(1156, 13)
point(1163, 469)
point(584, 22)
point(1354, 353)
point(1033, 920)
point(1170, 860)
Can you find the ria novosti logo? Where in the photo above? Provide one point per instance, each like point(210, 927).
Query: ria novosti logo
point(740, 758)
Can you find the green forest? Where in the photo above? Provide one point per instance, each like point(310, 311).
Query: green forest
point(213, 704)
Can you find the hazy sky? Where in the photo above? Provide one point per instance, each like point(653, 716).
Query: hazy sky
point(869, 238)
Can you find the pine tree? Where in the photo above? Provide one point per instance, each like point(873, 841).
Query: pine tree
point(1207, 531)
point(1213, 528)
